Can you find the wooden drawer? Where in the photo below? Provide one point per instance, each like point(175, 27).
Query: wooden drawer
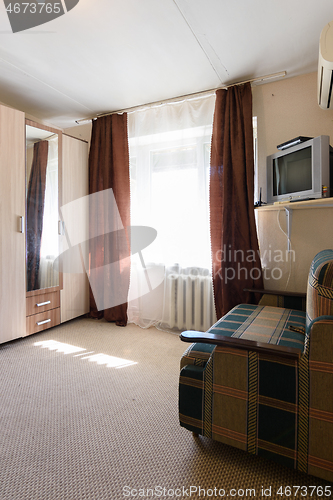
point(44, 302)
point(45, 319)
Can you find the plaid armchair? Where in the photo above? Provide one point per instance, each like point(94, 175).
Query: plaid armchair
point(261, 378)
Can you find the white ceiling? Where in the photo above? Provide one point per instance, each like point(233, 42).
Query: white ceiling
point(107, 55)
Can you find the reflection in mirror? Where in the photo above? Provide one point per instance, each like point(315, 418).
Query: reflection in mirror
point(42, 241)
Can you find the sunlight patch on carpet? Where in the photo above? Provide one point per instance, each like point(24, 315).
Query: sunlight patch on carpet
point(110, 361)
point(53, 345)
point(100, 359)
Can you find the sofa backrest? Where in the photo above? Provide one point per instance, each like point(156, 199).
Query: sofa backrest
point(319, 297)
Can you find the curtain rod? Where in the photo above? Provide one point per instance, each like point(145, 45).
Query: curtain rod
point(179, 98)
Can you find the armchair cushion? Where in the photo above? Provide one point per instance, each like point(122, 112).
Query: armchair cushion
point(271, 325)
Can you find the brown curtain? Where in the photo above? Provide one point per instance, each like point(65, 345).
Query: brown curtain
point(109, 252)
point(235, 251)
point(35, 212)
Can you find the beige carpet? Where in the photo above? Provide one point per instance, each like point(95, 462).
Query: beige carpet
point(75, 426)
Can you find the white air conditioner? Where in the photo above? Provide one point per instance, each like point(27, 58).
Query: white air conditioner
point(325, 67)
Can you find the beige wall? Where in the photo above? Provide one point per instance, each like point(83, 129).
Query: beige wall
point(286, 109)
point(82, 132)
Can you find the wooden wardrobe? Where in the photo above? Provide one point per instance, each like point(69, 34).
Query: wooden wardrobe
point(24, 309)
point(12, 224)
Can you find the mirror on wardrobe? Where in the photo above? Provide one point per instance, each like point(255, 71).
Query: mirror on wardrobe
point(42, 204)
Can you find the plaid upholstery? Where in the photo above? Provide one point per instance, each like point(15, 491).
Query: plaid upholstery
point(319, 356)
point(277, 300)
point(319, 298)
point(270, 325)
point(247, 401)
point(197, 354)
point(269, 405)
point(191, 393)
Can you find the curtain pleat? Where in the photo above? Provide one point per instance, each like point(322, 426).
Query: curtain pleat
point(35, 212)
point(109, 250)
point(235, 251)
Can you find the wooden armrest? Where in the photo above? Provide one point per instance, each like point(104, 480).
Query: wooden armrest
point(276, 292)
point(249, 345)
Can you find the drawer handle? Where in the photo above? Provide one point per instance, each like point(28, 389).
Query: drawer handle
point(43, 322)
point(43, 303)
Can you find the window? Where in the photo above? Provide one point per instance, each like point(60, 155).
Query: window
point(170, 192)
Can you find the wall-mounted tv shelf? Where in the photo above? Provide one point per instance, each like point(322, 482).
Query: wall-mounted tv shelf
point(296, 205)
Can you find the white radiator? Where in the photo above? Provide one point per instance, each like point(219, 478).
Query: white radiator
point(48, 274)
point(190, 302)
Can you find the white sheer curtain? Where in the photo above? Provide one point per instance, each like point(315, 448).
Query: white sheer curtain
point(48, 275)
point(169, 167)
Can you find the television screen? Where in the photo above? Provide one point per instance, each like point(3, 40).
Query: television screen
point(292, 172)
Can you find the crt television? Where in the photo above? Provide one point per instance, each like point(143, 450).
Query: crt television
point(300, 172)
